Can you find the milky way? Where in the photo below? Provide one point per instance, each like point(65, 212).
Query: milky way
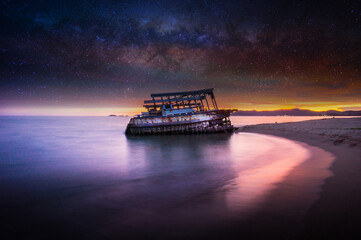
point(113, 54)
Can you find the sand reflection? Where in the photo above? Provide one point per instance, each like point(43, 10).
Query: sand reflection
point(270, 159)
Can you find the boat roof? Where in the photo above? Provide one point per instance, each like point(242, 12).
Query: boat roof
point(173, 100)
point(207, 91)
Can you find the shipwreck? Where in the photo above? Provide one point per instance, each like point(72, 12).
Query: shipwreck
point(191, 112)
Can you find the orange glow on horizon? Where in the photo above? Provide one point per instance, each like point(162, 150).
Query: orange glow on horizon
point(69, 111)
point(105, 111)
point(318, 107)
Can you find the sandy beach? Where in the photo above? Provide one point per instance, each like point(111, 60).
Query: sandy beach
point(336, 213)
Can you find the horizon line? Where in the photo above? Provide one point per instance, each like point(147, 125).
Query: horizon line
point(130, 115)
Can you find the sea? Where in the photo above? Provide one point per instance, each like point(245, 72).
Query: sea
point(83, 178)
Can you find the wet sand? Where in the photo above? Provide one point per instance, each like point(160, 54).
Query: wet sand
point(336, 214)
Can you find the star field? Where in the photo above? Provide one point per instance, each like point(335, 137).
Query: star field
point(74, 55)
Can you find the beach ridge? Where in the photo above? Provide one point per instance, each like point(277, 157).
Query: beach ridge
point(338, 130)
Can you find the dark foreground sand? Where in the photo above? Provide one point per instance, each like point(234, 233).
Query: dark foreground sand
point(336, 214)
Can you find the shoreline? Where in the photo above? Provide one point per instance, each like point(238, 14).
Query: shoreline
point(336, 213)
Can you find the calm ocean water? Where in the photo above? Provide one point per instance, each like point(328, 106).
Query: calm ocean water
point(82, 177)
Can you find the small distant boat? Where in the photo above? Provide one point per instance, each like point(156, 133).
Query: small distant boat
point(191, 112)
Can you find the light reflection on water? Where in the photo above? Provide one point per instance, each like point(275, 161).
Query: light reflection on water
point(89, 167)
point(270, 159)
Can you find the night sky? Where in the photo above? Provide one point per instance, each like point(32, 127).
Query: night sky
point(106, 57)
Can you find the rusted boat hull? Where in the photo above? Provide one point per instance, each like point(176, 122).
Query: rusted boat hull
point(179, 129)
point(208, 122)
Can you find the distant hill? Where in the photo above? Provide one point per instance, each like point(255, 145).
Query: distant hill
point(296, 112)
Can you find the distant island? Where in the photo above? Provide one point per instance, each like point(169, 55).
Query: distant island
point(297, 112)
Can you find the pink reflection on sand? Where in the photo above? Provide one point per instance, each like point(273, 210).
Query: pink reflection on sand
point(268, 165)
